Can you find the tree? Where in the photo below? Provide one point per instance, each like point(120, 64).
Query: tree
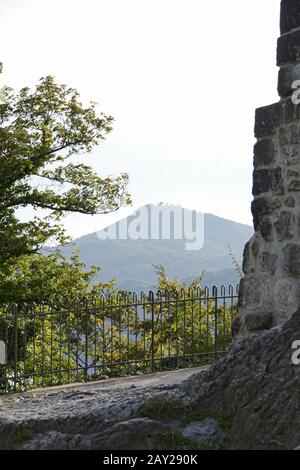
point(51, 280)
point(40, 131)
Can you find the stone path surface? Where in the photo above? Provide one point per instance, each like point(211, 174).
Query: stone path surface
point(88, 408)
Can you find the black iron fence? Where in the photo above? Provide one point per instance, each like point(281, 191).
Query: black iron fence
point(122, 334)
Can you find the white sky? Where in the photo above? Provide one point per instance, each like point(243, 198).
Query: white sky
point(181, 77)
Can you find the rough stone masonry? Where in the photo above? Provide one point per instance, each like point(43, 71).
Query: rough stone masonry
point(270, 290)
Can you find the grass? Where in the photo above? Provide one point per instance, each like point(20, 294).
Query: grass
point(199, 414)
point(166, 408)
point(22, 434)
point(162, 408)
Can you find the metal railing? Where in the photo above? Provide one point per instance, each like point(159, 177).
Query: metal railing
point(118, 335)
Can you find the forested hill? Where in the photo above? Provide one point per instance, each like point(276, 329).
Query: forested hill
point(131, 261)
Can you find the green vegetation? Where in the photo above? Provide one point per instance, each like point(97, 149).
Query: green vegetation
point(22, 434)
point(93, 335)
point(163, 408)
point(166, 408)
point(40, 131)
point(68, 325)
point(130, 261)
point(199, 414)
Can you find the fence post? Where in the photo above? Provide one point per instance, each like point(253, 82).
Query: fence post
point(86, 358)
point(15, 312)
point(215, 295)
point(151, 295)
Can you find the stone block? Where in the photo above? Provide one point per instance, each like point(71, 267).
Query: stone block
point(294, 186)
point(292, 258)
point(267, 120)
point(290, 202)
point(266, 229)
point(289, 15)
point(268, 262)
point(255, 246)
point(288, 48)
point(250, 291)
point(292, 174)
point(207, 433)
point(265, 181)
point(263, 206)
point(289, 134)
point(286, 76)
point(286, 292)
point(247, 268)
point(259, 321)
point(264, 153)
point(284, 226)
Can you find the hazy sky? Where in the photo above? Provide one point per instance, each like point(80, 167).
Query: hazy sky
point(181, 77)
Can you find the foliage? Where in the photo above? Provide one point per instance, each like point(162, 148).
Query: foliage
point(40, 131)
point(50, 280)
point(104, 332)
point(162, 407)
point(235, 263)
point(199, 414)
point(42, 297)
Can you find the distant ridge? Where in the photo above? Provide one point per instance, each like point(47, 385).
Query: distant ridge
point(131, 261)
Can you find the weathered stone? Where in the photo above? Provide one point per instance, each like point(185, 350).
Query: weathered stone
point(294, 186)
point(54, 440)
point(236, 326)
point(289, 15)
point(258, 385)
point(271, 118)
point(246, 259)
point(288, 48)
point(250, 291)
point(267, 120)
point(298, 224)
point(255, 246)
point(284, 226)
point(287, 294)
point(292, 258)
point(134, 434)
point(206, 432)
point(82, 412)
point(292, 174)
point(290, 202)
point(286, 76)
point(259, 321)
point(264, 153)
point(268, 262)
point(266, 229)
point(263, 206)
point(265, 181)
point(289, 136)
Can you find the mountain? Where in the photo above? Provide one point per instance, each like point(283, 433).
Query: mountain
point(131, 261)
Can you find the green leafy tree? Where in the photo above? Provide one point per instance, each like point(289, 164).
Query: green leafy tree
point(63, 321)
point(103, 331)
point(51, 280)
point(186, 326)
point(40, 131)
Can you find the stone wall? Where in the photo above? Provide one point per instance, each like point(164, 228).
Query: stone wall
point(270, 290)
